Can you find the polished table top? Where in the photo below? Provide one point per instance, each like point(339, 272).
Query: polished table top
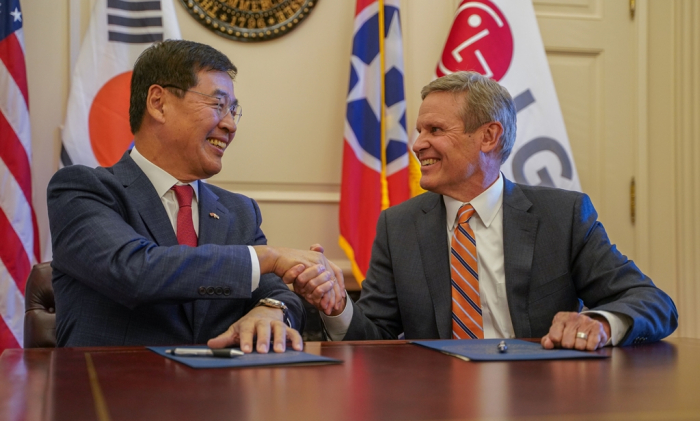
point(388, 380)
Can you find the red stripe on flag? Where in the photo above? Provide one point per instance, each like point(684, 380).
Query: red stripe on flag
point(12, 253)
point(15, 157)
point(360, 205)
point(399, 187)
point(361, 4)
point(12, 56)
point(7, 339)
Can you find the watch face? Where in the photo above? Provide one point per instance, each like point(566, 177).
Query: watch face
point(250, 20)
point(271, 302)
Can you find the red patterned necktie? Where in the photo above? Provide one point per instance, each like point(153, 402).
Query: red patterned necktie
point(185, 228)
point(467, 322)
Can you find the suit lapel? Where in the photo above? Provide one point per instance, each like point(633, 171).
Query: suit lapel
point(212, 230)
point(519, 232)
point(145, 198)
point(432, 240)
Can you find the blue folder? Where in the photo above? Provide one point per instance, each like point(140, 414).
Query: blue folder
point(487, 350)
point(287, 358)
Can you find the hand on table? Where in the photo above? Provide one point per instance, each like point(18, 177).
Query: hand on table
point(261, 322)
point(577, 331)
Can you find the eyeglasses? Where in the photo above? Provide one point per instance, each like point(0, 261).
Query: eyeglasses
point(225, 104)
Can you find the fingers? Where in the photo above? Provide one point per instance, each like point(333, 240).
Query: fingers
point(572, 330)
point(247, 331)
point(316, 247)
point(262, 328)
point(291, 275)
point(226, 339)
point(294, 337)
point(283, 334)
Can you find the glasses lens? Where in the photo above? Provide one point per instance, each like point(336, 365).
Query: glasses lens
point(237, 112)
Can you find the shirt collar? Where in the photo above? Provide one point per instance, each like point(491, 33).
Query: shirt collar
point(161, 179)
point(486, 205)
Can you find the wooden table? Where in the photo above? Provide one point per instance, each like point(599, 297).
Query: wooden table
point(377, 381)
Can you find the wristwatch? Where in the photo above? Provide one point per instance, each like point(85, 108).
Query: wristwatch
point(271, 302)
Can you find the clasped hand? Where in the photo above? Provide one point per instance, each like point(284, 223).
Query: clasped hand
point(312, 276)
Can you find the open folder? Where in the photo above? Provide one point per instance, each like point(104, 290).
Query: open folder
point(487, 350)
point(287, 358)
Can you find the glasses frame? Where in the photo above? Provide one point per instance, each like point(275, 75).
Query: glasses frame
point(234, 109)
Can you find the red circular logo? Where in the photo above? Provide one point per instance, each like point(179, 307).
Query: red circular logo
point(110, 134)
point(480, 40)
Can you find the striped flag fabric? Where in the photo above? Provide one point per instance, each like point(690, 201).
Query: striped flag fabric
point(96, 130)
point(19, 244)
point(376, 157)
point(501, 39)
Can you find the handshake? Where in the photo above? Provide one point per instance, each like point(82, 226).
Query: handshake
point(318, 280)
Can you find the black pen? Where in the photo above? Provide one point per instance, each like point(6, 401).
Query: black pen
point(502, 347)
point(204, 352)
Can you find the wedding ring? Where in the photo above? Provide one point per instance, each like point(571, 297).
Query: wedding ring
point(581, 335)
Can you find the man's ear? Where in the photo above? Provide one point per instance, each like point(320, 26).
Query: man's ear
point(492, 136)
point(155, 102)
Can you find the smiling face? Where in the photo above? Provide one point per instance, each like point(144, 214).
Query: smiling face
point(453, 163)
point(195, 138)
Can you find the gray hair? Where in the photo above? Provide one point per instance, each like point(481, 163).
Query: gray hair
point(486, 101)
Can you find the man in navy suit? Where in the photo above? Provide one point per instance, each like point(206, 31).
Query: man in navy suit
point(541, 254)
point(137, 263)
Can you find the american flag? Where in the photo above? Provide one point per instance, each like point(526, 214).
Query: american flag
point(19, 244)
point(376, 156)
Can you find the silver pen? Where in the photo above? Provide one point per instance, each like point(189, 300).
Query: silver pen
point(204, 352)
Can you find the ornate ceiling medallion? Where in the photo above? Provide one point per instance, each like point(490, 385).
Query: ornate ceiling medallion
point(250, 20)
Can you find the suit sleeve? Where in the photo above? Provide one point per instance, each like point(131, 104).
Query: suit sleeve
point(607, 280)
point(376, 315)
point(95, 242)
point(272, 286)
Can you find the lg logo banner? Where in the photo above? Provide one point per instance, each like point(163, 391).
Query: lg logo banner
point(501, 40)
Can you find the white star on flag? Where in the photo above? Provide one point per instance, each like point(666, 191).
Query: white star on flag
point(367, 85)
point(17, 15)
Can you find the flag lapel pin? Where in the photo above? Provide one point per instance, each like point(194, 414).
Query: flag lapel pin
point(213, 215)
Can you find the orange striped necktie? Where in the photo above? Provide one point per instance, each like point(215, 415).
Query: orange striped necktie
point(467, 322)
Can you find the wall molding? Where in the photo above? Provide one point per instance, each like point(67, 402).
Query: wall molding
point(285, 193)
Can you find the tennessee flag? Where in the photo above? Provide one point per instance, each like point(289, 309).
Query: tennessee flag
point(96, 131)
point(19, 242)
point(375, 154)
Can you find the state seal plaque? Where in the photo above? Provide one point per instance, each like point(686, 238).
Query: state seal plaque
point(250, 20)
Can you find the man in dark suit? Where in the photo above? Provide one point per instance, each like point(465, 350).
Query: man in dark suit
point(147, 254)
point(538, 255)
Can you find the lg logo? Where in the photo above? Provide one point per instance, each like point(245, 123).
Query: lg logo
point(481, 40)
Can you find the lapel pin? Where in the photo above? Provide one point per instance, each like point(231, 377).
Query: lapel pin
point(213, 215)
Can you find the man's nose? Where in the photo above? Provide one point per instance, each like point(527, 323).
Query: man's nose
point(228, 123)
point(419, 144)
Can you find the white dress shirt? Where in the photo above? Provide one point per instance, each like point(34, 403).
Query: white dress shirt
point(487, 224)
point(162, 181)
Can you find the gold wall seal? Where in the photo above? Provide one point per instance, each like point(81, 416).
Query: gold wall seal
point(250, 20)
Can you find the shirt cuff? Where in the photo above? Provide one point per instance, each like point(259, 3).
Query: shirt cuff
point(619, 325)
point(255, 273)
point(337, 326)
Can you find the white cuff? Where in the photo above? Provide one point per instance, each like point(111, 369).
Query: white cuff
point(255, 273)
point(337, 326)
point(619, 325)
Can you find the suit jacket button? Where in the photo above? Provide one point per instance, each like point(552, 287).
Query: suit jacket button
point(210, 290)
point(202, 290)
point(219, 290)
point(227, 291)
